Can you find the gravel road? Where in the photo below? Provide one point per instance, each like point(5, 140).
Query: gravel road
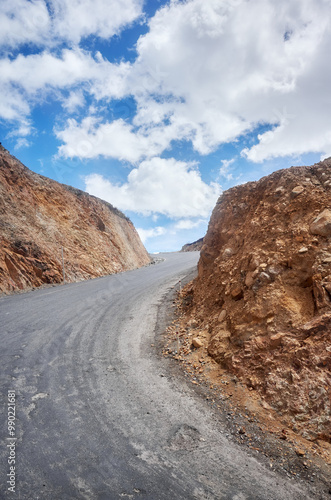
point(98, 416)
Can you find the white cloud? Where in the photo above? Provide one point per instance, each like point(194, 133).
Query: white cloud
point(173, 235)
point(74, 101)
point(146, 234)
point(189, 224)
point(13, 106)
point(306, 130)
point(222, 68)
point(117, 139)
point(22, 142)
point(23, 22)
point(56, 21)
point(45, 70)
point(24, 129)
point(206, 72)
point(27, 80)
point(164, 186)
point(76, 19)
point(225, 169)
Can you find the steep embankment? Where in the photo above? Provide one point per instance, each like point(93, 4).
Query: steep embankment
point(261, 303)
point(39, 216)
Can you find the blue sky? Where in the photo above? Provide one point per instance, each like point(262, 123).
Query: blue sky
point(158, 106)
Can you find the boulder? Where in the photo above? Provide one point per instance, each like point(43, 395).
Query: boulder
point(322, 224)
point(196, 342)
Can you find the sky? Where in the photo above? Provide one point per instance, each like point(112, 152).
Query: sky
point(158, 106)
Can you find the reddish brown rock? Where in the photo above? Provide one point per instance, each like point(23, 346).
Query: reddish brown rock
point(266, 260)
point(276, 340)
point(322, 224)
point(297, 190)
point(237, 293)
point(197, 342)
point(39, 216)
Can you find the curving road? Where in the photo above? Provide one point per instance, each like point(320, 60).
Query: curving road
point(98, 417)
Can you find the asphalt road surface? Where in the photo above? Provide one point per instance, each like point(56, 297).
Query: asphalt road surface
point(97, 415)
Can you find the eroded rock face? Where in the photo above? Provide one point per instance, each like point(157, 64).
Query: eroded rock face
point(39, 216)
point(264, 291)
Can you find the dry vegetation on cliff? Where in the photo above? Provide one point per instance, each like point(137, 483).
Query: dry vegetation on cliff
point(38, 216)
point(261, 304)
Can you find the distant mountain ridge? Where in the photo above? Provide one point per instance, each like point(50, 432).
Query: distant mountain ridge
point(193, 247)
point(39, 217)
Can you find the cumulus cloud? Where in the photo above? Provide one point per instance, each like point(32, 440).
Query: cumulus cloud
point(189, 224)
point(118, 139)
point(154, 232)
point(26, 80)
point(237, 64)
point(23, 22)
point(74, 101)
point(207, 72)
point(90, 139)
point(76, 19)
point(56, 21)
point(165, 186)
point(34, 72)
point(46, 71)
point(12, 104)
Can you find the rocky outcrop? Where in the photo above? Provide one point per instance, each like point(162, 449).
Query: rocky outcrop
point(193, 247)
point(262, 298)
point(39, 216)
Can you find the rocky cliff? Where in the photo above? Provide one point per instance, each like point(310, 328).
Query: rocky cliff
point(261, 303)
point(193, 247)
point(39, 216)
